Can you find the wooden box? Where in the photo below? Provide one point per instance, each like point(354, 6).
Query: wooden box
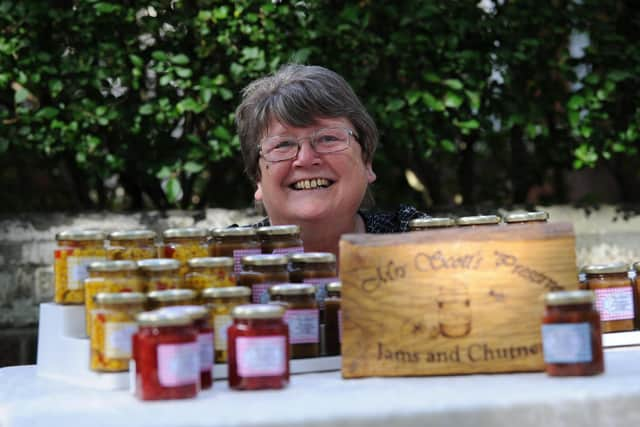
point(451, 301)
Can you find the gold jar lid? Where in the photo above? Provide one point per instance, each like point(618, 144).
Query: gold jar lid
point(212, 262)
point(258, 311)
point(526, 216)
point(265, 259)
point(334, 287)
point(233, 231)
point(180, 233)
point(108, 266)
point(81, 235)
point(172, 295)
point(226, 292)
point(119, 298)
point(158, 264)
point(569, 297)
point(313, 257)
point(194, 311)
point(163, 318)
point(293, 289)
point(432, 222)
point(613, 268)
point(132, 235)
point(279, 230)
point(478, 220)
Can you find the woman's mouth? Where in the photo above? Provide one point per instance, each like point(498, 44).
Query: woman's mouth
point(310, 184)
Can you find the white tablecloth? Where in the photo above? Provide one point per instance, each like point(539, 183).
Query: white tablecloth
point(325, 399)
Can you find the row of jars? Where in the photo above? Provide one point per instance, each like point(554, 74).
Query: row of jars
point(419, 224)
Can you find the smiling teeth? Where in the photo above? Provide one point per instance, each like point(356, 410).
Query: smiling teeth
point(311, 183)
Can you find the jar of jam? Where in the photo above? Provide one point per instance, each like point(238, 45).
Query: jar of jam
point(478, 220)
point(280, 239)
point(132, 245)
point(113, 324)
point(315, 268)
point(302, 317)
point(170, 297)
point(571, 334)
point(258, 343)
point(260, 272)
point(166, 356)
point(235, 242)
point(183, 244)
point(223, 301)
point(614, 295)
point(420, 224)
point(109, 276)
point(519, 217)
point(333, 319)
point(210, 272)
point(160, 274)
point(75, 251)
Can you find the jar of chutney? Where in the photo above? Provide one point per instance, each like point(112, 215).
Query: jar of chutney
point(315, 268)
point(132, 245)
point(333, 319)
point(280, 239)
point(183, 244)
point(209, 272)
point(170, 297)
point(160, 274)
point(235, 242)
point(260, 272)
point(614, 295)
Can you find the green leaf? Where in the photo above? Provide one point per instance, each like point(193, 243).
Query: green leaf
point(173, 190)
point(618, 148)
point(21, 95)
point(222, 133)
point(185, 73)
point(395, 105)
point(192, 167)
point(431, 77)
point(104, 7)
point(188, 104)
point(576, 102)
point(467, 124)
point(164, 173)
point(55, 87)
point(136, 60)
point(433, 103)
point(180, 59)
point(448, 146)
point(452, 100)
point(47, 113)
point(474, 99)
point(145, 109)
point(453, 84)
point(159, 55)
point(413, 96)
point(619, 75)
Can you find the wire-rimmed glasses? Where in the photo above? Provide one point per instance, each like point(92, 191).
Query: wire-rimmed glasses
point(323, 141)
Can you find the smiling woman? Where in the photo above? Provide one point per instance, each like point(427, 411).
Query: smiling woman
point(308, 143)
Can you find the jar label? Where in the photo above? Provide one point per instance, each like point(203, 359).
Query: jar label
point(290, 250)
point(304, 325)
point(261, 356)
point(117, 340)
point(567, 343)
point(221, 324)
point(205, 342)
point(178, 364)
point(615, 303)
point(260, 292)
point(77, 270)
point(239, 253)
point(321, 288)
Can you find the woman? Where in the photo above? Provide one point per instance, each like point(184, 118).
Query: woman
point(308, 144)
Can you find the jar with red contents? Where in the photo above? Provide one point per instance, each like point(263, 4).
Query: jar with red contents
point(166, 356)
point(258, 347)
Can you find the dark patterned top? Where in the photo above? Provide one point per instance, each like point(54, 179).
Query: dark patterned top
point(380, 221)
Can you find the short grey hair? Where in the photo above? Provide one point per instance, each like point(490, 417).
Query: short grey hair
point(297, 95)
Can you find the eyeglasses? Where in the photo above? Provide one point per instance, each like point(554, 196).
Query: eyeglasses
point(323, 141)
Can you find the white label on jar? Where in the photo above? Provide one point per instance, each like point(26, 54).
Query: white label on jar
point(615, 303)
point(77, 270)
point(117, 339)
point(221, 324)
point(261, 356)
point(237, 257)
point(260, 292)
point(340, 326)
point(567, 343)
point(178, 364)
point(321, 288)
point(205, 342)
point(304, 325)
point(287, 251)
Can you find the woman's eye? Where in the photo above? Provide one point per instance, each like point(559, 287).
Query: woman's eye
point(284, 145)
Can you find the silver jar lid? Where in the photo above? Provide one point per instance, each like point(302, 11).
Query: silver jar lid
point(210, 262)
point(158, 264)
point(258, 311)
point(109, 266)
point(334, 287)
point(172, 295)
point(613, 268)
point(226, 292)
point(478, 220)
point(132, 235)
point(194, 311)
point(292, 289)
point(233, 232)
point(81, 235)
point(166, 318)
point(265, 259)
point(182, 233)
point(439, 222)
point(119, 298)
point(526, 217)
point(569, 297)
point(279, 230)
point(313, 257)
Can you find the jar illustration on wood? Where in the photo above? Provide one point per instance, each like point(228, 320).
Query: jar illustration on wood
point(454, 310)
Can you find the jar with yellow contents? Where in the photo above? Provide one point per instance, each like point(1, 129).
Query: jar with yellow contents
point(132, 245)
point(160, 274)
point(112, 327)
point(209, 272)
point(183, 244)
point(75, 251)
point(222, 301)
point(170, 297)
point(109, 276)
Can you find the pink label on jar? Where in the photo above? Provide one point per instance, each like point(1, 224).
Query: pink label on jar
point(615, 303)
point(287, 251)
point(304, 325)
point(178, 364)
point(260, 292)
point(237, 257)
point(261, 356)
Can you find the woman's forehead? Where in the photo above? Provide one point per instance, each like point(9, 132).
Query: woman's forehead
point(279, 127)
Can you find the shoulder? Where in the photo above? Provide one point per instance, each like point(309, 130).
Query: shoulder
point(390, 221)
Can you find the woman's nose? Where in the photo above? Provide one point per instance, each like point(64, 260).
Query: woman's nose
point(306, 153)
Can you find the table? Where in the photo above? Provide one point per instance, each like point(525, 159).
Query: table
point(325, 399)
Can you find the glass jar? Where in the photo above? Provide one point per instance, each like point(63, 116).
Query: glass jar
point(166, 356)
point(170, 297)
point(315, 268)
point(132, 245)
point(113, 324)
point(420, 224)
point(258, 343)
point(280, 239)
point(235, 242)
point(109, 276)
point(333, 319)
point(209, 272)
point(302, 317)
point(260, 272)
point(478, 220)
point(183, 244)
point(75, 251)
point(519, 217)
point(160, 274)
point(614, 295)
point(571, 334)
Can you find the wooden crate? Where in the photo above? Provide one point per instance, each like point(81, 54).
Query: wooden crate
point(451, 301)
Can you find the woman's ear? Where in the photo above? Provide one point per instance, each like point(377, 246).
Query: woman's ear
point(371, 175)
point(258, 194)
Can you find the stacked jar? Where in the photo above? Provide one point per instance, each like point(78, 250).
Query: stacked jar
point(160, 274)
point(333, 319)
point(260, 272)
point(235, 242)
point(182, 244)
point(170, 297)
point(315, 268)
point(131, 245)
point(209, 272)
point(280, 239)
